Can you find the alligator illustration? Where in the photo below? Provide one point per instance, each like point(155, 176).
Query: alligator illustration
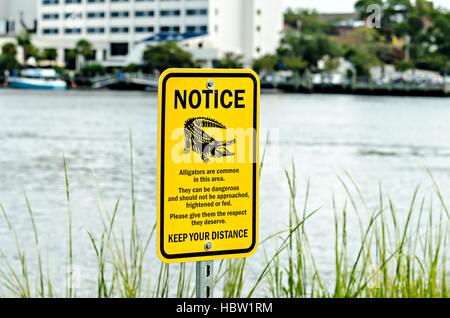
point(202, 143)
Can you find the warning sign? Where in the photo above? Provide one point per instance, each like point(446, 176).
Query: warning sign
point(208, 163)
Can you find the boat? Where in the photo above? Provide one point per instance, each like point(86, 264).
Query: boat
point(37, 78)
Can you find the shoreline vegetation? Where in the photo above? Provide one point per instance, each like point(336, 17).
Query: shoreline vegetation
point(395, 257)
point(405, 51)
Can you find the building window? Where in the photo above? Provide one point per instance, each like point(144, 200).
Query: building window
point(73, 16)
point(119, 0)
point(96, 30)
point(197, 29)
point(120, 14)
point(191, 12)
point(72, 30)
point(258, 28)
point(216, 11)
point(49, 31)
point(119, 29)
point(72, 1)
point(258, 49)
point(216, 28)
point(119, 49)
point(96, 1)
point(143, 29)
point(140, 14)
point(10, 26)
point(50, 16)
point(170, 13)
point(258, 12)
point(95, 15)
point(169, 29)
point(49, 2)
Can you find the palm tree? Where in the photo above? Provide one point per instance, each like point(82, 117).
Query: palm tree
point(29, 50)
point(9, 49)
point(84, 50)
point(50, 54)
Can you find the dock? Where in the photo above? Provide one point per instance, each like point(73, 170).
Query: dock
point(301, 85)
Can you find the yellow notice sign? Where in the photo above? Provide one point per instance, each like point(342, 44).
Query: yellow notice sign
point(208, 163)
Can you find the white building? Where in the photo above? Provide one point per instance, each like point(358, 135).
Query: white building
point(251, 28)
point(16, 15)
point(121, 29)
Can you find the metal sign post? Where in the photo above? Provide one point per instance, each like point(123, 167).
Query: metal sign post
point(204, 281)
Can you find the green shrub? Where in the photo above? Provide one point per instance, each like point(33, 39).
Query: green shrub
point(92, 69)
point(132, 68)
point(166, 55)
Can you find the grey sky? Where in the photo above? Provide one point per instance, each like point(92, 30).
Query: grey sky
point(338, 5)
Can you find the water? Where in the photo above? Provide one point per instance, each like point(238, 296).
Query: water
point(376, 139)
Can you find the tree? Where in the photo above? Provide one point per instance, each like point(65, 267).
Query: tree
point(310, 48)
point(402, 66)
point(9, 49)
point(29, 50)
point(266, 63)
point(131, 68)
point(230, 61)
point(295, 64)
point(84, 48)
point(71, 59)
point(362, 6)
point(365, 35)
point(8, 61)
point(307, 21)
point(71, 54)
point(399, 18)
point(50, 54)
point(92, 69)
point(166, 55)
point(423, 29)
point(394, 17)
point(440, 32)
point(24, 38)
point(434, 62)
point(363, 60)
point(24, 41)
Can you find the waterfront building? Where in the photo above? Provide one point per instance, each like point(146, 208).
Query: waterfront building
point(16, 16)
point(121, 29)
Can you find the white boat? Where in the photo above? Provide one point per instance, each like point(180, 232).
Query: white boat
point(37, 78)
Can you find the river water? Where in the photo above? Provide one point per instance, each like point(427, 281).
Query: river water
point(377, 140)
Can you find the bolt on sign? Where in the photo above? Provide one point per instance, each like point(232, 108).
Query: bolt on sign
point(208, 163)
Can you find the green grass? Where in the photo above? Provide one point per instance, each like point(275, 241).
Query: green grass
point(394, 254)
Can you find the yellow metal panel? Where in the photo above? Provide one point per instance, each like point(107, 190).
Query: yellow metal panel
point(208, 163)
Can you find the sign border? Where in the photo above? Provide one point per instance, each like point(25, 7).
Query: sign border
point(217, 73)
